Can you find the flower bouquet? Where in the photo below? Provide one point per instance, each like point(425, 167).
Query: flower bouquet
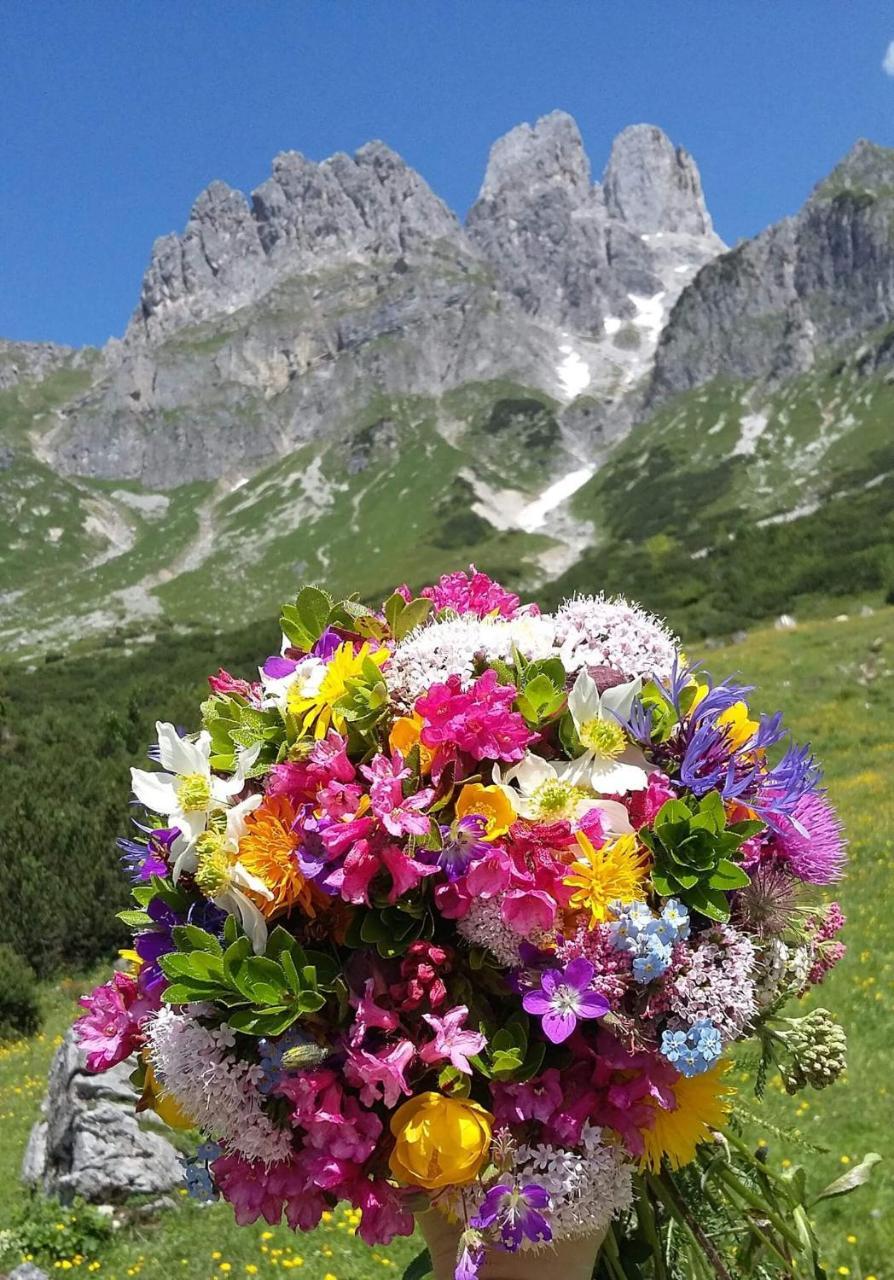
point(460, 907)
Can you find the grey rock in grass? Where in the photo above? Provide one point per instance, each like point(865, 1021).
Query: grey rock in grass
point(90, 1143)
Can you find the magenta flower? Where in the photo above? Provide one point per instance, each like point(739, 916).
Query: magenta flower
point(109, 1031)
point(564, 998)
point(536, 1099)
point(369, 1014)
point(811, 842)
point(479, 720)
point(400, 815)
point(406, 872)
point(258, 1190)
point(380, 1076)
point(473, 592)
point(382, 1215)
point(453, 1040)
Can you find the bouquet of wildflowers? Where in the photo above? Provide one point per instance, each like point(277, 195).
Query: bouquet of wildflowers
point(461, 905)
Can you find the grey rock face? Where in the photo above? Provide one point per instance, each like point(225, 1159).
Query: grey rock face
point(766, 308)
point(651, 185)
point(29, 361)
point(90, 1143)
point(27, 1271)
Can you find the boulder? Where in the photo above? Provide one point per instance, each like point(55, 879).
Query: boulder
point(91, 1143)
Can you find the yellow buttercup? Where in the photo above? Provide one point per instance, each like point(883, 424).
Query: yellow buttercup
point(440, 1141)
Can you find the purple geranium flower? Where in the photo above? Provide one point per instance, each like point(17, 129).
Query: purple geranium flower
point(563, 998)
point(464, 844)
point(515, 1212)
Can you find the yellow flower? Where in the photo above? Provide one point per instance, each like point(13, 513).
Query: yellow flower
point(702, 1104)
point(318, 709)
point(614, 873)
point(440, 1141)
point(491, 803)
point(163, 1104)
point(740, 728)
point(404, 736)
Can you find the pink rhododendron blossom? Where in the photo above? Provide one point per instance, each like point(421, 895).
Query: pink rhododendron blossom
point(223, 683)
point(406, 872)
point(453, 1041)
point(478, 721)
point(474, 592)
point(257, 1190)
point(528, 910)
point(369, 1014)
point(400, 815)
point(537, 1099)
point(382, 1215)
point(422, 972)
point(643, 806)
point(109, 1032)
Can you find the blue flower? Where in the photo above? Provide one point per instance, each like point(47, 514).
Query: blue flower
point(694, 1050)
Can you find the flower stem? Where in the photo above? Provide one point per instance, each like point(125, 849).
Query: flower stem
point(666, 1191)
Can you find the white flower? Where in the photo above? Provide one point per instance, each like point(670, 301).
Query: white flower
point(186, 792)
point(545, 795)
point(596, 631)
point(609, 763)
point(307, 674)
point(222, 877)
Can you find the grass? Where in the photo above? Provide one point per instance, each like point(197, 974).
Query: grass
point(835, 681)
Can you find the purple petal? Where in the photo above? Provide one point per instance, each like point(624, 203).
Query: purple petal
point(579, 973)
point(592, 1005)
point(276, 667)
point(536, 1227)
point(537, 1002)
point(535, 1196)
point(490, 1207)
point(551, 979)
point(558, 1026)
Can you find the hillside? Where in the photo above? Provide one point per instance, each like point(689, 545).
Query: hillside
point(578, 385)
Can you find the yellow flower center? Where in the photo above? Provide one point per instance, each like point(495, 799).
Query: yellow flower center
point(605, 737)
point(194, 792)
point(555, 799)
point(213, 875)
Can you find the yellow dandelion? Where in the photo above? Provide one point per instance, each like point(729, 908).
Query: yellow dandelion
point(318, 710)
point(702, 1104)
point(614, 873)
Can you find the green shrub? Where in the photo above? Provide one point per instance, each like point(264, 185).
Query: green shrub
point(19, 1006)
point(51, 1232)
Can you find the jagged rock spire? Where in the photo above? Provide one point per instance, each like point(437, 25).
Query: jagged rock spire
point(651, 185)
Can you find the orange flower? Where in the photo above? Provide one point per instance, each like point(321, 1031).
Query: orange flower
point(269, 850)
point(404, 736)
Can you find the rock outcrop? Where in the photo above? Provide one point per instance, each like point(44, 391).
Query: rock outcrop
point(90, 1143)
point(652, 186)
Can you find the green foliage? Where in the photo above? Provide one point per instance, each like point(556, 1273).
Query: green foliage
point(50, 1231)
point(693, 849)
point(19, 1004)
point(264, 994)
point(509, 1055)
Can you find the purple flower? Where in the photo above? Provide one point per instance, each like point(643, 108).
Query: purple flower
point(810, 840)
point(464, 844)
point(470, 1257)
point(144, 859)
point(786, 786)
point(515, 1212)
point(277, 668)
point(326, 645)
point(563, 998)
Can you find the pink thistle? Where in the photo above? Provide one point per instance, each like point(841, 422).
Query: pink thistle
point(811, 840)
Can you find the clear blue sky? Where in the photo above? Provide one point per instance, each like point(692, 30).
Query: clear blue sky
point(114, 114)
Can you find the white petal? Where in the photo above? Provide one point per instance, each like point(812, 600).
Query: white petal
point(531, 772)
point(247, 881)
point(154, 790)
point(185, 857)
point(253, 922)
point(179, 754)
point(576, 772)
point(616, 776)
point(583, 700)
point(619, 700)
point(617, 819)
point(236, 818)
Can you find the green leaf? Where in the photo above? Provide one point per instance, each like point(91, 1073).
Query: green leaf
point(263, 1022)
point(234, 957)
point(413, 616)
point(420, 1267)
point(852, 1179)
point(728, 876)
point(135, 919)
point(310, 1001)
point(188, 937)
point(177, 993)
point(710, 902)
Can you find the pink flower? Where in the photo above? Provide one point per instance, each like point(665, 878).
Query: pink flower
point(327, 763)
point(526, 910)
point(369, 1014)
point(453, 1040)
point(422, 972)
point(223, 683)
point(538, 1099)
point(406, 872)
point(110, 1031)
point(479, 721)
point(476, 593)
point(361, 866)
point(383, 1216)
point(380, 1076)
point(257, 1190)
point(643, 805)
point(340, 836)
point(398, 814)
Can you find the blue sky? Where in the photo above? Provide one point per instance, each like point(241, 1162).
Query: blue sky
point(115, 113)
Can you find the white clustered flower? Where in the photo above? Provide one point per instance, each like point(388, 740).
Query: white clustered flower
point(586, 1187)
point(484, 927)
point(219, 1092)
point(432, 653)
point(716, 982)
point(597, 631)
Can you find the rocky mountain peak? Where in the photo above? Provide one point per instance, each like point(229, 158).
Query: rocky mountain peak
point(651, 185)
point(548, 153)
point(867, 168)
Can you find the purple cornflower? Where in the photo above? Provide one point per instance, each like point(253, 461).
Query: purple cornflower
point(464, 844)
point(564, 997)
point(144, 859)
point(810, 840)
point(515, 1212)
point(790, 781)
